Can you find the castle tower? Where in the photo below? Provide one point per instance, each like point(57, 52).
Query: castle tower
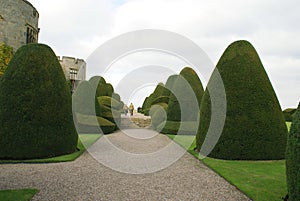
point(74, 69)
point(18, 23)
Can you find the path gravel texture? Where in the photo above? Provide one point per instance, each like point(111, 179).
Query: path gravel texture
point(88, 179)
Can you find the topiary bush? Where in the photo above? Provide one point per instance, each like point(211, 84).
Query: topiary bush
point(90, 124)
point(83, 99)
point(293, 159)
point(186, 86)
point(254, 128)
point(36, 112)
point(289, 114)
point(149, 100)
point(158, 114)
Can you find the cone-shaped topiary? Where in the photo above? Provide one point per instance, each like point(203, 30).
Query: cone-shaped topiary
point(186, 86)
point(254, 127)
point(36, 114)
point(293, 159)
point(289, 114)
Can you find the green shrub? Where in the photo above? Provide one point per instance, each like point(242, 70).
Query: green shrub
point(172, 127)
point(83, 100)
point(161, 99)
point(90, 124)
point(169, 85)
point(110, 114)
point(36, 112)
point(110, 102)
point(116, 97)
point(254, 127)
point(289, 114)
point(158, 115)
point(293, 159)
point(148, 101)
point(99, 86)
point(186, 95)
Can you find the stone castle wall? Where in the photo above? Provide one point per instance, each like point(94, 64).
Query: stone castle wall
point(74, 69)
point(18, 23)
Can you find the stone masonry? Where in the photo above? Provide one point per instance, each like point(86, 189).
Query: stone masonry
point(18, 23)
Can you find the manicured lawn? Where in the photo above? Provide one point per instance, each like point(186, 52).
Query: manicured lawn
point(259, 180)
point(85, 140)
point(17, 195)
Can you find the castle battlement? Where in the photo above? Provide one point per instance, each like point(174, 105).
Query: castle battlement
point(74, 69)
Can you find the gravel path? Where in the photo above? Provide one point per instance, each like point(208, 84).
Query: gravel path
point(87, 179)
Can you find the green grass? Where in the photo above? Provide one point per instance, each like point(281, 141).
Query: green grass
point(17, 195)
point(85, 140)
point(259, 180)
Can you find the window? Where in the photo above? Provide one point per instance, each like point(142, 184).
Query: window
point(73, 74)
point(31, 35)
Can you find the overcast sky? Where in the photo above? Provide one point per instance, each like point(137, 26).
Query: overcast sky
point(77, 27)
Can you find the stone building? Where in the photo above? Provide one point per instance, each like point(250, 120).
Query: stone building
point(74, 69)
point(18, 23)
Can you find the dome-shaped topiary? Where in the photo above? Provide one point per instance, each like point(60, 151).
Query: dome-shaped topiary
point(169, 84)
point(293, 159)
point(186, 94)
point(83, 100)
point(254, 127)
point(149, 100)
point(36, 112)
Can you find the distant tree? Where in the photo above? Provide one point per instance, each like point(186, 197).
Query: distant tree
point(6, 54)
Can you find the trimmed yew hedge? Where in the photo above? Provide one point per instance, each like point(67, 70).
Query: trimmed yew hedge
point(186, 86)
point(293, 159)
point(36, 113)
point(254, 128)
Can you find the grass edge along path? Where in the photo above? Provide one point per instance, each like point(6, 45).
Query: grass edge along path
point(17, 195)
point(84, 141)
point(259, 180)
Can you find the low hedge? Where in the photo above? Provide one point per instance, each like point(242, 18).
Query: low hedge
point(172, 127)
point(110, 102)
point(88, 124)
point(293, 159)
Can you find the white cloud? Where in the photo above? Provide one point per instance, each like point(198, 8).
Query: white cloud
point(76, 28)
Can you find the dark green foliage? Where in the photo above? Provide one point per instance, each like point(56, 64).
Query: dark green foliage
point(36, 113)
point(172, 127)
point(289, 114)
point(148, 101)
point(83, 99)
point(116, 97)
point(109, 90)
point(90, 124)
point(158, 113)
point(186, 95)
point(254, 127)
point(161, 99)
point(293, 159)
point(145, 105)
point(108, 112)
point(169, 85)
point(110, 102)
point(100, 86)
